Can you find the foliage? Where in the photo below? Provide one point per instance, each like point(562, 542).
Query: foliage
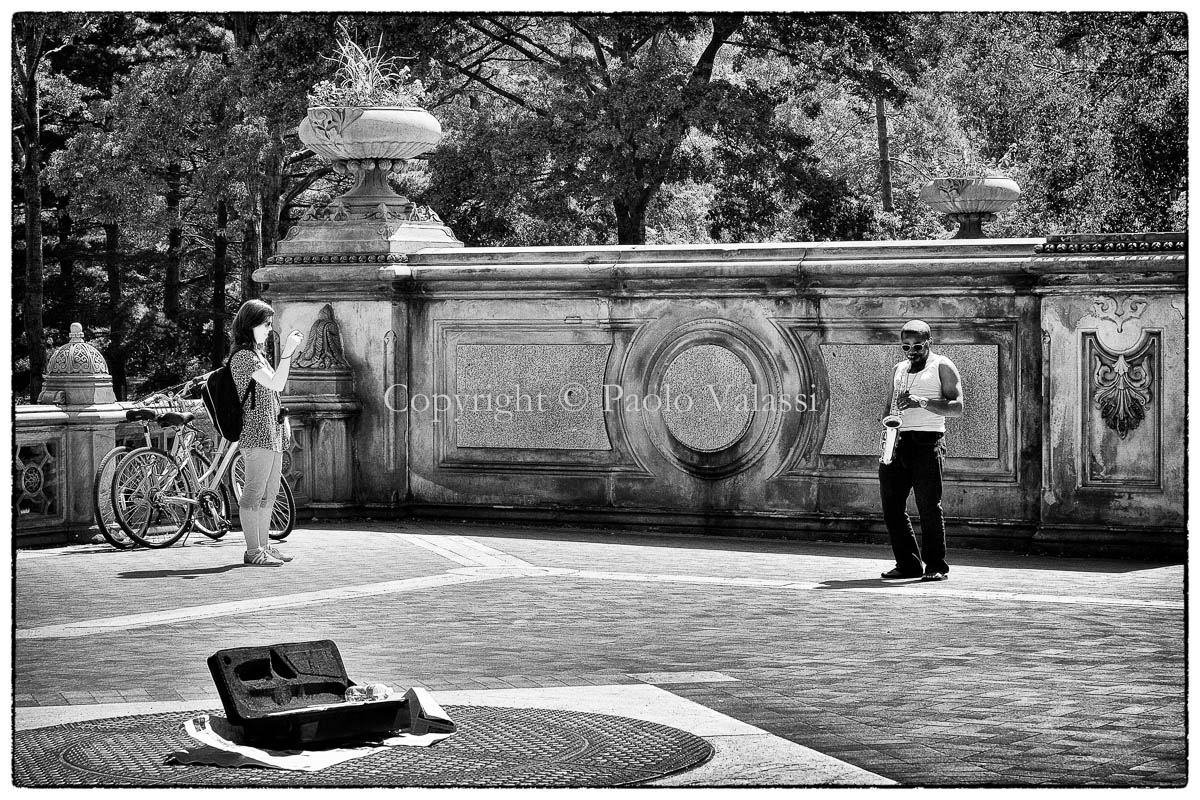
point(366, 77)
point(567, 130)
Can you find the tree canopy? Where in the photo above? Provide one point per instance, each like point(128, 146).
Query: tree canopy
point(157, 163)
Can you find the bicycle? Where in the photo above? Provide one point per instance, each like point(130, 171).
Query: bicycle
point(102, 510)
point(159, 495)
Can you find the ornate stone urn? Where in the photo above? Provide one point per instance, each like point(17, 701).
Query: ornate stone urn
point(370, 223)
point(970, 201)
point(356, 134)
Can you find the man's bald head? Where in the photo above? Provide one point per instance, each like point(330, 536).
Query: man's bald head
point(917, 328)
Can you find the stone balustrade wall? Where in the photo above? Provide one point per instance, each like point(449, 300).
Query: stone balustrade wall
point(1071, 351)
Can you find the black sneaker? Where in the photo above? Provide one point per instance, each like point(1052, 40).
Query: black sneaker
point(936, 576)
point(896, 574)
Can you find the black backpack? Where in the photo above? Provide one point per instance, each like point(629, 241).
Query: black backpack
point(219, 392)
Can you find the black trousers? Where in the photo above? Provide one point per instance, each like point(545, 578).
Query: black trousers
point(917, 468)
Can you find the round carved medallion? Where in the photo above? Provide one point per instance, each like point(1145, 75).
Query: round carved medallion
point(707, 396)
point(32, 480)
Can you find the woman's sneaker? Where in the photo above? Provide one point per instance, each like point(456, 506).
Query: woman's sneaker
point(281, 556)
point(261, 558)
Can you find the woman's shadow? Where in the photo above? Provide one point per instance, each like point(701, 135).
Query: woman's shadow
point(186, 574)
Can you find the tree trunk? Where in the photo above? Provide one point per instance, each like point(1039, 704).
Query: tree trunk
point(31, 181)
point(885, 158)
point(171, 286)
point(251, 245)
point(116, 309)
point(631, 219)
point(66, 260)
point(244, 25)
point(650, 168)
point(272, 194)
point(220, 249)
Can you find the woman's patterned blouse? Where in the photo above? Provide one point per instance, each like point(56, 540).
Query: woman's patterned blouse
point(261, 411)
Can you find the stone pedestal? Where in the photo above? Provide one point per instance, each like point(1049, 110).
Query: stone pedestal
point(322, 404)
point(60, 442)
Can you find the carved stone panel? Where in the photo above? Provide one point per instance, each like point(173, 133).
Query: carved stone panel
point(858, 379)
point(529, 396)
point(1121, 419)
point(38, 481)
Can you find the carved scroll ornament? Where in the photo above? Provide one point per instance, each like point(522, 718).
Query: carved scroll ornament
point(1119, 309)
point(1122, 384)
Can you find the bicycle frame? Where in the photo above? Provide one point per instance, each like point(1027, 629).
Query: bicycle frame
point(182, 447)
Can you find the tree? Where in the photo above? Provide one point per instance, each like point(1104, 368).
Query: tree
point(35, 38)
point(610, 98)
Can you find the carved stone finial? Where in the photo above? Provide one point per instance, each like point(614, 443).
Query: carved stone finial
point(323, 346)
point(76, 374)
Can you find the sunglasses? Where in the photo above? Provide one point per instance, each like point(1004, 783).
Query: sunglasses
point(914, 347)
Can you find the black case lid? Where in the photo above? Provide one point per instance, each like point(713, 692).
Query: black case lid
point(254, 682)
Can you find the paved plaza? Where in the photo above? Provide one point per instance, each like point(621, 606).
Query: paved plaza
point(794, 659)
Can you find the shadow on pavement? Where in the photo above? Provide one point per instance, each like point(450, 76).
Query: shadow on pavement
point(872, 582)
point(186, 574)
point(880, 552)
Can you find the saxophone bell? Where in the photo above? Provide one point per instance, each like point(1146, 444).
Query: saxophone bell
point(889, 438)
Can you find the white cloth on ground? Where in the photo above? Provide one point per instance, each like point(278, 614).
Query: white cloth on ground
point(221, 744)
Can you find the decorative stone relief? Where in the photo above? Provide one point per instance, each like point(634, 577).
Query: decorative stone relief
point(36, 479)
point(389, 380)
point(1119, 309)
point(76, 357)
point(329, 258)
point(323, 346)
point(331, 123)
point(707, 398)
point(1122, 383)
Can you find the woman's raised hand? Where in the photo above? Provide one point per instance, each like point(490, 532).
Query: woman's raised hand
point(292, 344)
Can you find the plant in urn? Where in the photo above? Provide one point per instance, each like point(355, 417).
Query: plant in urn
point(366, 122)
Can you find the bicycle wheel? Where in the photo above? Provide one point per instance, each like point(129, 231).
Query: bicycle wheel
point(102, 507)
point(283, 514)
point(144, 483)
point(211, 516)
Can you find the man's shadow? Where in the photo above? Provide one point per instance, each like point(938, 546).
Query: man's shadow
point(874, 583)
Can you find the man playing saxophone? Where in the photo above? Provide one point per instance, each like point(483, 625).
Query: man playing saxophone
point(925, 390)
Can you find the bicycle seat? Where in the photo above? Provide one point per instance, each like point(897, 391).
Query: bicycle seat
point(173, 419)
point(139, 414)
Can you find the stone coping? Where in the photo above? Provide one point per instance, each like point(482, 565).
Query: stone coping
point(814, 265)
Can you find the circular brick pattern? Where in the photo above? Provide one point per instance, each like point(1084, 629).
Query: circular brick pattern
point(493, 747)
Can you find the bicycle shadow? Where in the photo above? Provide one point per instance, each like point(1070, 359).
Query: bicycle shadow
point(185, 574)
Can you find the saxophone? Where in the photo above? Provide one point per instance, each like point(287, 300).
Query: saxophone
point(891, 428)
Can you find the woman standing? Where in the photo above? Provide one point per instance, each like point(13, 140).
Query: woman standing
point(265, 431)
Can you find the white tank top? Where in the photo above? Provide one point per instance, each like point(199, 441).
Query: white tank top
point(926, 383)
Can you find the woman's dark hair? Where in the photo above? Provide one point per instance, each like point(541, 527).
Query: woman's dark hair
point(252, 314)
